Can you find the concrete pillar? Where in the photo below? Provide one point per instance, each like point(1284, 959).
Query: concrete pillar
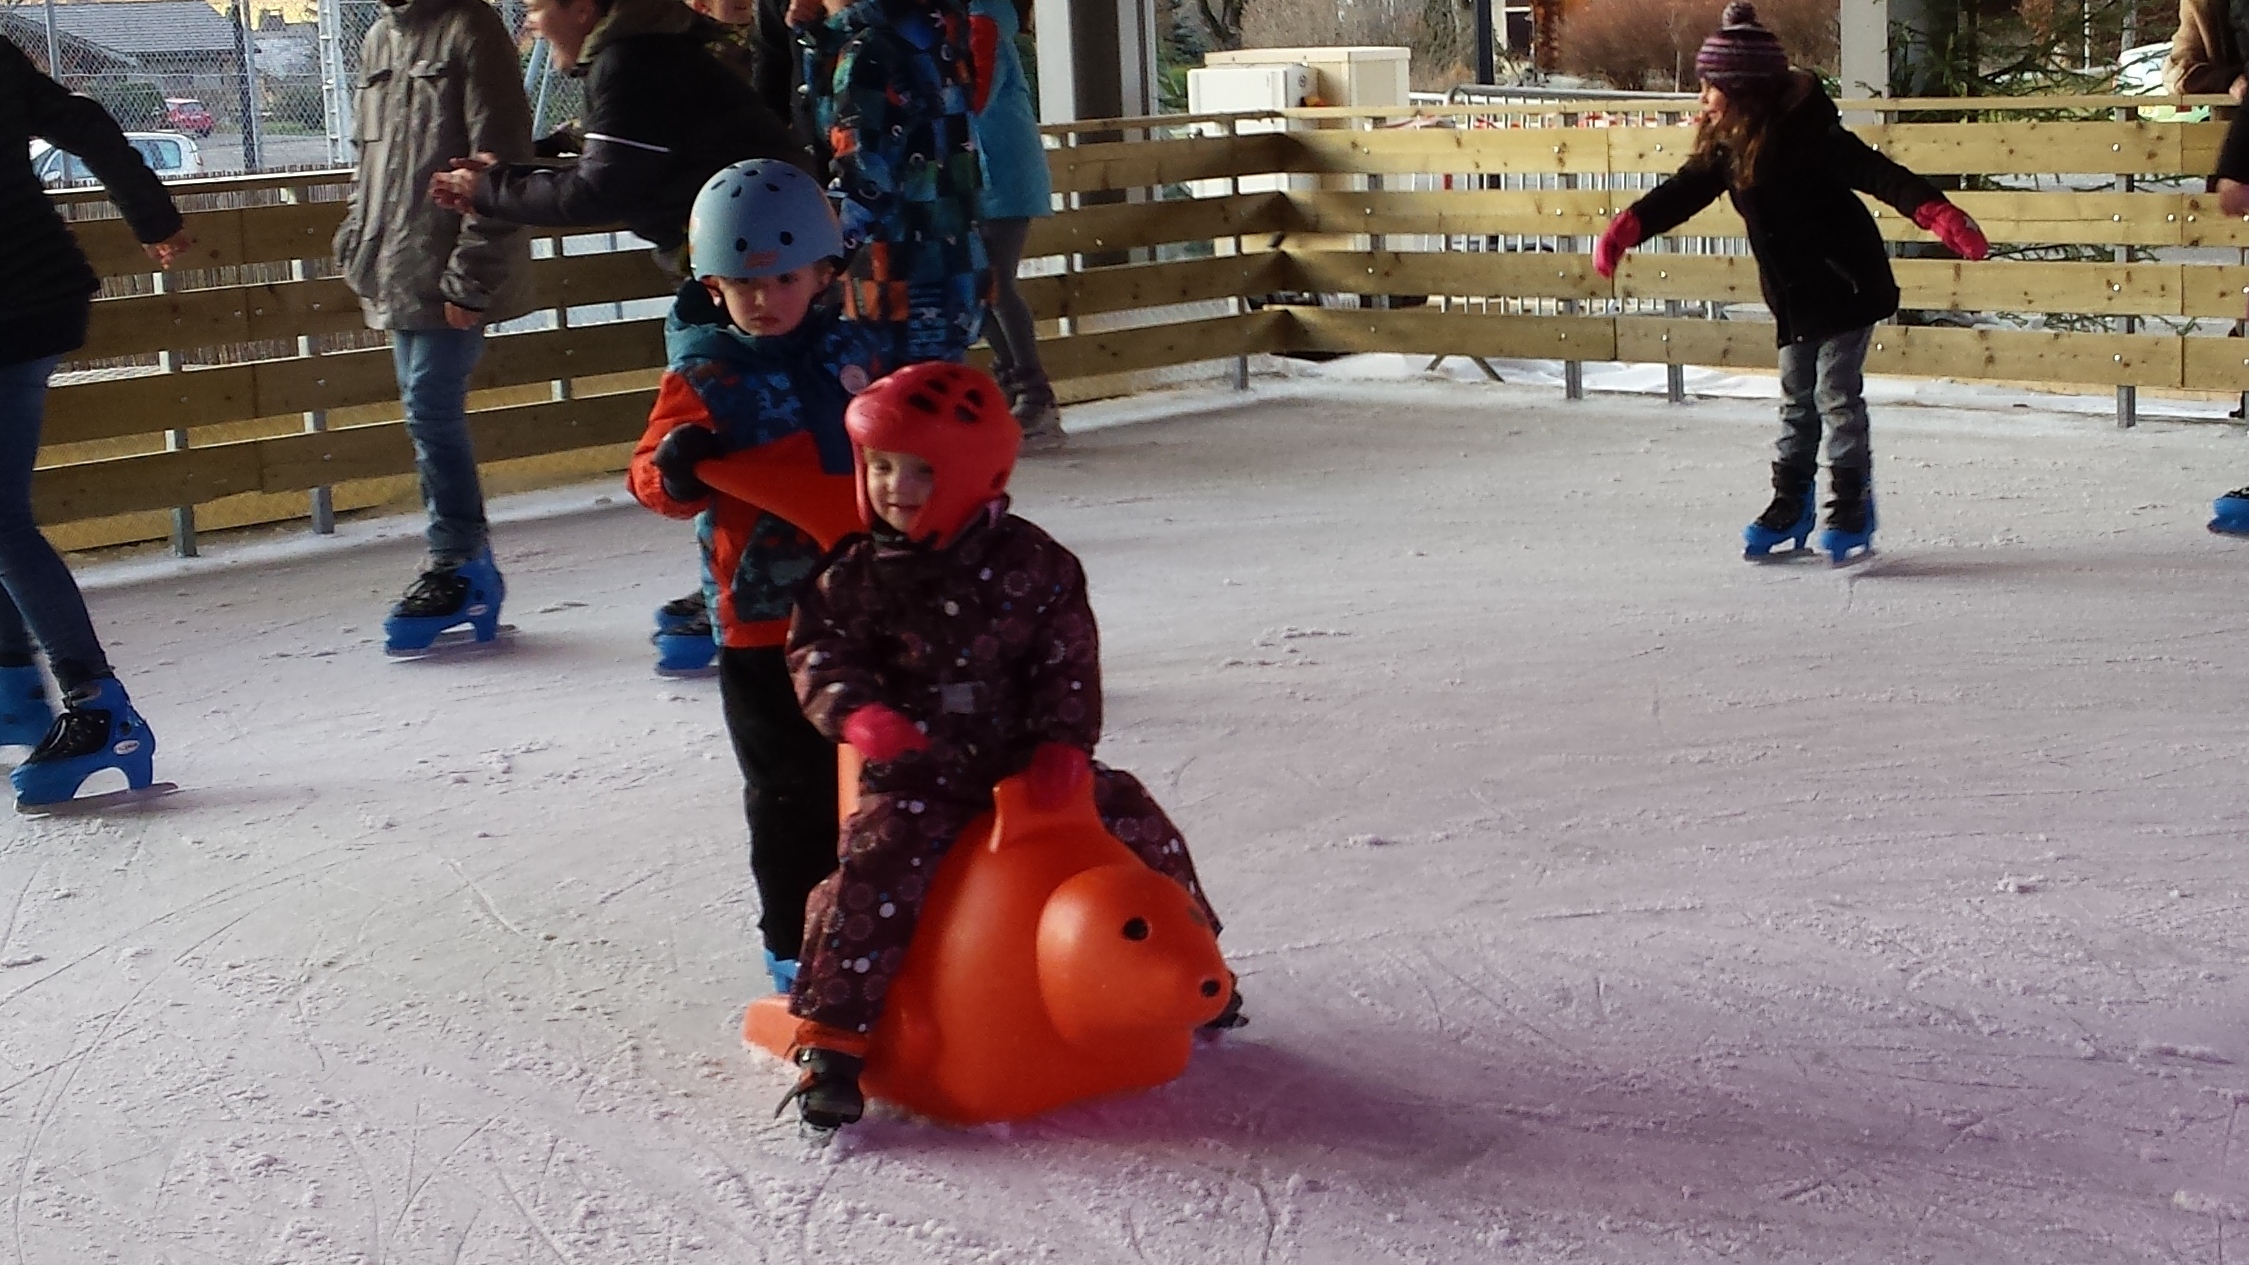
point(1097, 59)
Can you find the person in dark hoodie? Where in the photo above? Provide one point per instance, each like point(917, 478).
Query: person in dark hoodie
point(1772, 139)
point(46, 299)
point(663, 113)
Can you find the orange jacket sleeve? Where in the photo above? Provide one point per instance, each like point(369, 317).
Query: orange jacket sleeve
point(784, 478)
point(676, 405)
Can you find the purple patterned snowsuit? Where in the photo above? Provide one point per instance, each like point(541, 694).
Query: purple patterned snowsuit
point(988, 644)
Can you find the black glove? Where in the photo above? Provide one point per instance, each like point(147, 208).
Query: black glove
point(687, 447)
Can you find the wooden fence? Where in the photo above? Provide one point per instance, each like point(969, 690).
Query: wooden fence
point(243, 388)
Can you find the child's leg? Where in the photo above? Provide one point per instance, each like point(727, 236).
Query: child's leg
point(1131, 814)
point(1839, 394)
point(788, 790)
point(861, 918)
point(1798, 449)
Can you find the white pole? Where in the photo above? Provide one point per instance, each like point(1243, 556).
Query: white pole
point(1866, 52)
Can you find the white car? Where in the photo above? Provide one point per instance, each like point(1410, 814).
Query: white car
point(2139, 73)
point(171, 155)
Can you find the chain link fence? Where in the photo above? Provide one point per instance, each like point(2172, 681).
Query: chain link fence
point(240, 86)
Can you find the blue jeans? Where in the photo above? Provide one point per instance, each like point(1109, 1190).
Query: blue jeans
point(433, 381)
point(35, 587)
point(1822, 381)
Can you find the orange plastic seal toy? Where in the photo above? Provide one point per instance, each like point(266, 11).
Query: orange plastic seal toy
point(1050, 965)
point(784, 478)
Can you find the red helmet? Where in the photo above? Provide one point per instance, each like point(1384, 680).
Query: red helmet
point(952, 416)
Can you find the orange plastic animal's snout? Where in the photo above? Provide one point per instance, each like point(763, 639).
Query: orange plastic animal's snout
point(1050, 965)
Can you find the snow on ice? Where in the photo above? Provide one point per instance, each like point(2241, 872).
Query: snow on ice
point(1597, 897)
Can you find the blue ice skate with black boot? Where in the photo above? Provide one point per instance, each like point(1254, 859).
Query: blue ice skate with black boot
point(1788, 520)
point(443, 599)
point(24, 714)
point(2232, 513)
point(1849, 537)
point(98, 730)
point(685, 645)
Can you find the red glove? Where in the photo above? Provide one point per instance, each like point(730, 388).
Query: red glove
point(882, 735)
point(1953, 228)
point(1622, 235)
point(1056, 770)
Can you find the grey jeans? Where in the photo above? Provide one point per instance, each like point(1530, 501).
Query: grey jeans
point(1822, 381)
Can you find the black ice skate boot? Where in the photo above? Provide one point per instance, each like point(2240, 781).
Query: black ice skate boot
point(1788, 519)
point(827, 1095)
point(1850, 516)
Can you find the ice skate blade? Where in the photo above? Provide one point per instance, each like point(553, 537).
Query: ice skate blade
point(1844, 560)
point(1771, 556)
point(455, 641)
point(94, 805)
point(686, 674)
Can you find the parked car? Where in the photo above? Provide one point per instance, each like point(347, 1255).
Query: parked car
point(2139, 73)
point(171, 155)
point(186, 114)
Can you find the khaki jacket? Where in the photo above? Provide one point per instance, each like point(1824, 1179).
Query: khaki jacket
point(2204, 55)
point(437, 80)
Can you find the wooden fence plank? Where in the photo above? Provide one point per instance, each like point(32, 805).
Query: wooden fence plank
point(1159, 346)
point(1132, 225)
point(1139, 164)
point(1128, 287)
point(1539, 151)
point(2017, 148)
point(1459, 273)
point(1423, 331)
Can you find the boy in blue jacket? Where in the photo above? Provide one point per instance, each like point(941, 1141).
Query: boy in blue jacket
point(893, 87)
point(747, 432)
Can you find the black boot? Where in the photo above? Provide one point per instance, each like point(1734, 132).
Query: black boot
point(1847, 503)
point(1792, 495)
point(827, 1095)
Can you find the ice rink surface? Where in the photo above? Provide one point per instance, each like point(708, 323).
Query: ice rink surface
point(1597, 896)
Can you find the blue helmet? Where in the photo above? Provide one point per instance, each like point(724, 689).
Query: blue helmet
point(759, 218)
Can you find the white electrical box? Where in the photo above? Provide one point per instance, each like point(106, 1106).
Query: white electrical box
point(1243, 90)
point(1355, 75)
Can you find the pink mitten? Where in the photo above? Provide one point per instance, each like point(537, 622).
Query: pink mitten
point(1056, 769)
point(882, 735)
point(1622, 235)
point(1953, 228)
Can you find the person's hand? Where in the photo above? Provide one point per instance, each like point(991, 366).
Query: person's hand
point(684, 448)
point(1622, 234)
point(881, 735)
point(805, 12)
point(462, 317)
point(455, 188)
point(168, 252)
point(1954, 228)
point(1057, 769)
point(2239, 88)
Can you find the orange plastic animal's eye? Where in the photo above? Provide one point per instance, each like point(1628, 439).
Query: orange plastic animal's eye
point(1136, 929)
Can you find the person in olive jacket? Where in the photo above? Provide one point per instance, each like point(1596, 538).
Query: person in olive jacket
point(1772, 139)
point(437, 81)
point(46, 300)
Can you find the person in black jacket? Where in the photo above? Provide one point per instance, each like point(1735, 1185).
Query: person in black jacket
point(1772, 139)
point(46, 293)
point(663, 114)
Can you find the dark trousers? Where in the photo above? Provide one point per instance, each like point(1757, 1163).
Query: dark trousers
point(788, 789)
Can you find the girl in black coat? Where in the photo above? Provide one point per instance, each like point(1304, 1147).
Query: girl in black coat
point(1772, 139)
point(46, 293)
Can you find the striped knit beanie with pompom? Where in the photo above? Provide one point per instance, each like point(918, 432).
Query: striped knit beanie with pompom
point(1741, 53)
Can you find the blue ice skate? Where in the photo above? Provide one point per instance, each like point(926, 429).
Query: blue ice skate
point(1844, 546)
point(24, 714)
point(444, 598)
point(783, 971)
point(683, 639)
point(1762, 540)
point(98, 730)
point(2232, 512)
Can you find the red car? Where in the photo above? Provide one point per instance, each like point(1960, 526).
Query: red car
point(186, 114)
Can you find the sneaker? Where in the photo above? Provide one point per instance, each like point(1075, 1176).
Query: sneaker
point(827, 1095)
point(24, 714)
point(98, 729)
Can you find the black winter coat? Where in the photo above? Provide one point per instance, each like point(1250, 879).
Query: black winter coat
point(46, 285)
point(663, 114)
point(1819, 257)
